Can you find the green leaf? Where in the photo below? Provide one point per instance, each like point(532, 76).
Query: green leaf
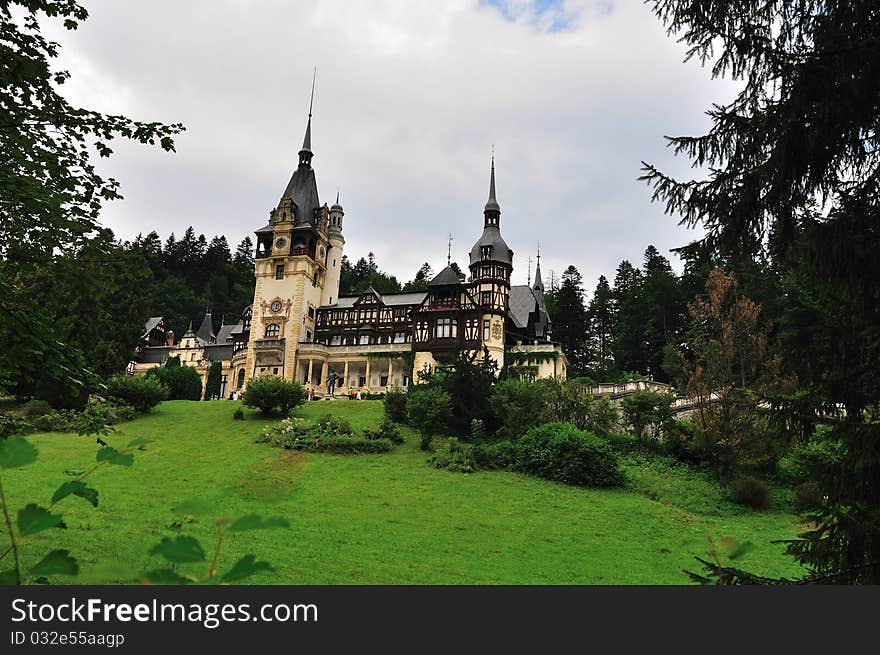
point(56, 562)
point(179, 550)
point(33, 519)
point(140, 441)
point(76, 488)
point(113, 456)
point(8, 577)
point(245, 567)
point(164, 577)
point(16, 452)
point(256, 522)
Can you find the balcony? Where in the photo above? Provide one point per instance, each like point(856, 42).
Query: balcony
point(269, 352)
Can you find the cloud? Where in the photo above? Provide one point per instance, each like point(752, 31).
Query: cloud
point(410, 97)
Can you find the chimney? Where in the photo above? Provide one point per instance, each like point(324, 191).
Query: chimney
point(169, 338)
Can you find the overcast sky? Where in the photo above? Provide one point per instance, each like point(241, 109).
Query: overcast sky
point(410, 97)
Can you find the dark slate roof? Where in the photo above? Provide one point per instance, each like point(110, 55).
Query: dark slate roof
point(390, 299)
point(266, 229)
point(151, 324)
point(153, 355)
point(219, 351)
point(303, 191)
point(206, 330)
point(446, 277)
point(492, 237)
point(492, 203)
point(226, 332)
point(521, 303)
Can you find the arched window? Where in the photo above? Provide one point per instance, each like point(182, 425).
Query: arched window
point(272, 330)
point(240, 382)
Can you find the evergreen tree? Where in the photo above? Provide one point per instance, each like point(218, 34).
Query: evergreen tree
point(804, 129)
point(570, 321)
point(602, 319)
point(420, 281)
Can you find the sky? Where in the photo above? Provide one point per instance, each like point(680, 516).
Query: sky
point(410, 98)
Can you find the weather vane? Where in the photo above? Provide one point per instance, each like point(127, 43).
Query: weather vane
point(449, 250)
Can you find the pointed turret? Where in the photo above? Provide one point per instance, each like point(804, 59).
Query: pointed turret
point(302, 189)
point(492, 210)
point(491, 246)
point(206, 329)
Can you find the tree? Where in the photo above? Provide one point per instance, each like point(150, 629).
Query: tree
point(428, 410)
point(570, 321)
point(212, 384)
point(601, 318)
point(420, 281)
point(183, 382)
point(729, 371)
point(519, 406)
point(629, 342)
point(52, 193)
point(468, 379)
point(647, 408)
point(794, 173)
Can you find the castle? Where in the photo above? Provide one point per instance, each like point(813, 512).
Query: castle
point(300, 328)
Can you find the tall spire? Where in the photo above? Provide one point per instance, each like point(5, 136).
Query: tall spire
point(305, 154)
point(539, 283)
point(492, 210)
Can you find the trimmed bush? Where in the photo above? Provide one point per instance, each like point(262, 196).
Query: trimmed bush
point(329, 435)
point(561, 452)
point(395, 405)
point(387, 430)
point(750, 492)
point(141, 392)
point(332, 426)
point(238, 415)
point(271, 393)
point(183, 382)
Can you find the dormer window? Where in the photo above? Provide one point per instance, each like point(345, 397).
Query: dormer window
point(485, 252)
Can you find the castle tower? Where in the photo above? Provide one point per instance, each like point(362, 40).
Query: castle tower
point(297, 264)
point(491, 265)
point(333, 260)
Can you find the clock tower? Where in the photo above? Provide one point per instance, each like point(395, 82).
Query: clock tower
point(297, 265)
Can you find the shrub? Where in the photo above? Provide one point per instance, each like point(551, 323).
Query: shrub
point(395, 405)
point(238, 415)
point(498, 455)
point(34, 408)
point(478, 430)
point(750, 492)
point(428, 410)
point(272, 393)
point(602, 417)
point(183, 382)
point(519, 406)
point(12, 425)
point(457, 457)
point(332, 426)
point(807, 496)
point(213, 381)
point(647, 408)
point(141, 392)
point(351, 445)
point(387, 430)
point(561, 452)
point(808, 461)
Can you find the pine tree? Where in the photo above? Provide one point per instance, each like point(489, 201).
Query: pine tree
point(601, 317)
point(570, 321)
point(794, 174)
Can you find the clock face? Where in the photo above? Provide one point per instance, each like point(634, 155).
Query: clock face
point(280, 242)
point(276, 305)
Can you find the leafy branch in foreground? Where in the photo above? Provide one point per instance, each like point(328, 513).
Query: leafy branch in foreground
point(184, 549)
point(33, 518)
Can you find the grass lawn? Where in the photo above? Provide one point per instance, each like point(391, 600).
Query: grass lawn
point(378, 519)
